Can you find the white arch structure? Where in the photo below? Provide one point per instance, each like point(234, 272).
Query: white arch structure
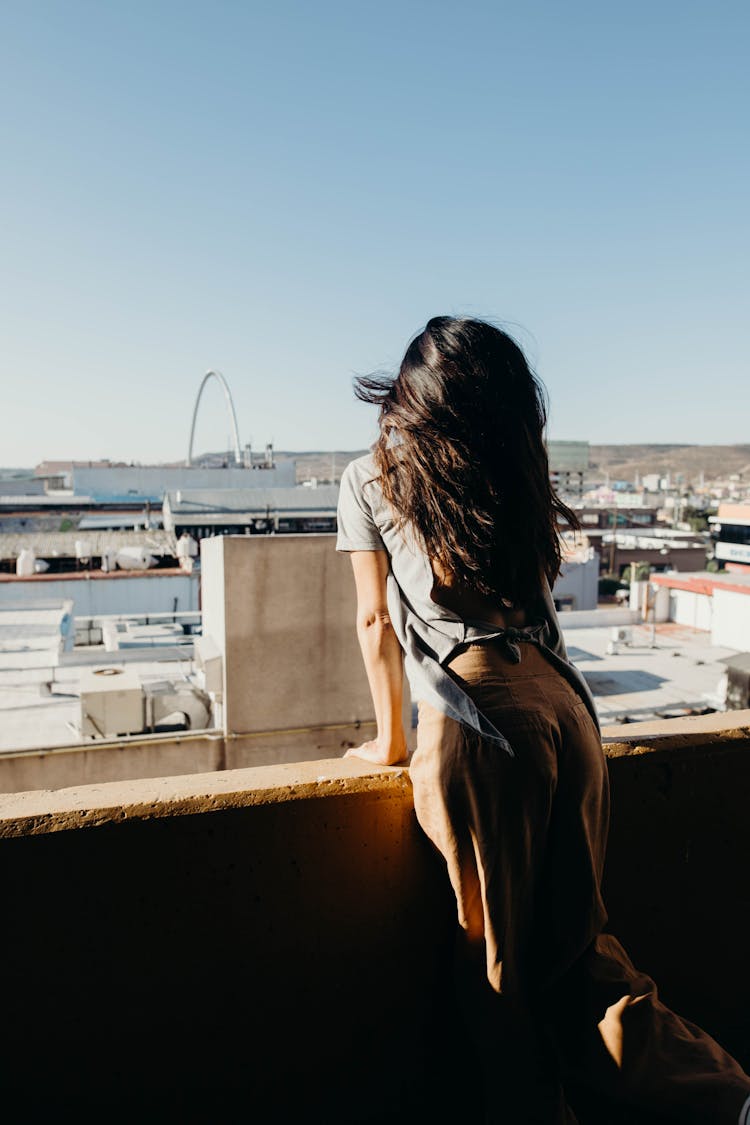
point(230, 408)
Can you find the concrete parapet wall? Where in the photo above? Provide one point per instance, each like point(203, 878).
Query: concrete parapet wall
point(588, 618)
point(98, 762)
point(730, 624)
point(281, 610)
point(172, 755)
point(272, 944)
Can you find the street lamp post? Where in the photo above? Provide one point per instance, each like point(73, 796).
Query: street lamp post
point(613, 544)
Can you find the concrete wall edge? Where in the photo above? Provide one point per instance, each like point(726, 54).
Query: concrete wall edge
point(39, 812)
point(42, 811)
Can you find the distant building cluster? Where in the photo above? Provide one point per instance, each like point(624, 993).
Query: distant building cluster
point(657, 521)
point(110, 562)
point(568, 465)
point(116, 582)
point(103, 517)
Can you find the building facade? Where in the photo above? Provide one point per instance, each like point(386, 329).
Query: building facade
point(732, 529)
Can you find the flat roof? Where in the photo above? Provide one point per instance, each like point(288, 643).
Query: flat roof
point(40, 703)
point(48, 500)
point(256, 501)
point(729, 521)
point(100, 575)
point(664, 672)
point(62, 544)
point(703, 582)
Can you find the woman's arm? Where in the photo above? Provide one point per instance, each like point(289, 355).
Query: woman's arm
point(383, 659)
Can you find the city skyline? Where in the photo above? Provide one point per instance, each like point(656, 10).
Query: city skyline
point(718, 461)
point(287, 195)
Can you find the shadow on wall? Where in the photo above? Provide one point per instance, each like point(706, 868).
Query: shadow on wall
point(285, 954)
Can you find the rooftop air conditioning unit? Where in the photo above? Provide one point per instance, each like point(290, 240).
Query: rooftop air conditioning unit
point(176, 706)
point(111, 703)
point(621, 634)
point(208, 661)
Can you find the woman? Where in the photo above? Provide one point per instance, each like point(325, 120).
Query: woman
point(452, 526)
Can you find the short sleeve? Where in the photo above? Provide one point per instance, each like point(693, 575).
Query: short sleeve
point(357, 530)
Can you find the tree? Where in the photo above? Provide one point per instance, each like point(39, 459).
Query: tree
point(642, 571)
point(697, 519)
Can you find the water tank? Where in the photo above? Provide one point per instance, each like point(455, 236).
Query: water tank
point(109, 559)
point(187, 548)
point(135, 558)
point(26, 563)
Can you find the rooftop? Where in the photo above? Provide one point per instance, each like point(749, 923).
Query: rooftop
point(62, 544)
point(40, 706)
point(704, 581)
point(251, 500)
point(663, 672)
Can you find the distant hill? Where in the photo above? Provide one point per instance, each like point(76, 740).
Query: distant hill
point(324, 465)
point(622, 462)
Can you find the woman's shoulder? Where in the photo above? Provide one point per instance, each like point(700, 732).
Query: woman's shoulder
point(359, 512)
point(361, 476)
point(361, 468)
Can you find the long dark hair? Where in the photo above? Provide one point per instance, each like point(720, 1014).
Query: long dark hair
point(462, 460)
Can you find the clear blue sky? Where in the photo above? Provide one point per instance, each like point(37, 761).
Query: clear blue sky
point(286, 191)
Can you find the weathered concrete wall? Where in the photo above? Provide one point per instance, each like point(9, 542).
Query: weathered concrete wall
point(272, 944)
point(689, 608)
point(730, 625)
point(171, 756)
point(246, 946)
point(98, 762)
point(282, 612)
point(676, 872)
point(579, 580)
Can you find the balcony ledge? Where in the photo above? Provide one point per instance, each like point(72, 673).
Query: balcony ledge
point(87, 806)
point(258, 927)
point(41, 811)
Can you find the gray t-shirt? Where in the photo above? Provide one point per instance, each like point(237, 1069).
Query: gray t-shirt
point(429, 633)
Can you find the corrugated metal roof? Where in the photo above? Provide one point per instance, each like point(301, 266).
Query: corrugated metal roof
point(62, 544)
point(49, 500)
point(254, 501)
point(242, 519)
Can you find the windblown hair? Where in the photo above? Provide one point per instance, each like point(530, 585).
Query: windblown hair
point(461, 458)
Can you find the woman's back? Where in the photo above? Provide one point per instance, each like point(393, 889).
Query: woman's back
point(454, 595)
